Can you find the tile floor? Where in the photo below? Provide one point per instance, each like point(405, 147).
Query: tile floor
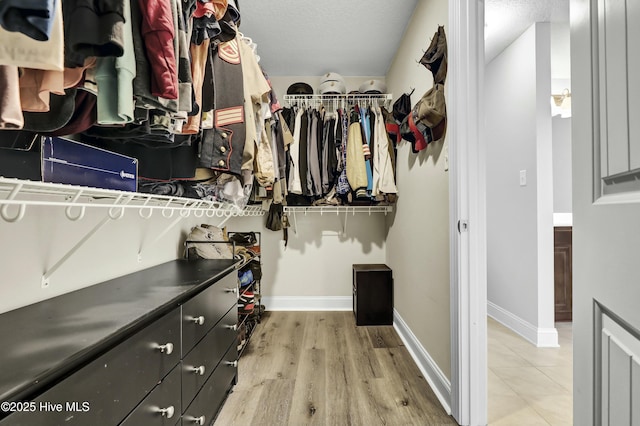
point(529, 385)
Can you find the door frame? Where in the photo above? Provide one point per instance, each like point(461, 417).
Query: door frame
point(467, 212)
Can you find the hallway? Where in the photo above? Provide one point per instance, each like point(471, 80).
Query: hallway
point(529, 385)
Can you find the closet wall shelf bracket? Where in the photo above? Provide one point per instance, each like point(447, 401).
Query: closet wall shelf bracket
point(16, 195)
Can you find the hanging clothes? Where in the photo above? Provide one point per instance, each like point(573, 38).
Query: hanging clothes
point(366, 138)
point(314, 182)
point(342, 129)
point(10, 111)
point(114, 77)
point(383, 176)
point(356, 168)
point(295, 183)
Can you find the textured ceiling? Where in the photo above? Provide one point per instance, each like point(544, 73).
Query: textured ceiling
point(506, 20)
point(304, 37)
point(360, 37)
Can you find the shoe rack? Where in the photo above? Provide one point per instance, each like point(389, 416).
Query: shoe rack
point(250, 308)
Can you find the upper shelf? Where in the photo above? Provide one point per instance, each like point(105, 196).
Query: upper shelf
point(16, 195)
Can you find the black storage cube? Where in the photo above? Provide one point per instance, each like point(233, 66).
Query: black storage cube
point(372, 294)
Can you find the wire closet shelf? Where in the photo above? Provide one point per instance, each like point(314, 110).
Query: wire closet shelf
point(340, 101)
point(16, 195)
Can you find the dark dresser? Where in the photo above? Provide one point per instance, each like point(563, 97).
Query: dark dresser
point(372, 294)
point(156, 347)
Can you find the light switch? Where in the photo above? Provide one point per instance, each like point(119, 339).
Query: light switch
point(523, 178)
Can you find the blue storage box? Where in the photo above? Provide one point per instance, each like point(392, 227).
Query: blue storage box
point(67, 161)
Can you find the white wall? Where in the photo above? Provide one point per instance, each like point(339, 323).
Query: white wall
point(560, 80)
point(520, 218)
point(32, 246)
point(418, 239)
point(562, 198)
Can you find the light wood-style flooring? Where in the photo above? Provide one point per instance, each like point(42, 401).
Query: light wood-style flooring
point(318, 368)
point(529, 385)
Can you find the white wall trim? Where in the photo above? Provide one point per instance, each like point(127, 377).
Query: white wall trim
point(439, 383)
point(309, 303)
point(541, 337)
point(467, 195)
point(563, 219)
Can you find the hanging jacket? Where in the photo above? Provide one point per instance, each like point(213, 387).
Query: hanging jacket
point(341, 133)
point(222, 146)
point(356, 168)
point(158, 32)
point(383, 177)
point(295, 186)
point(92, 29)
point(314, 183)
point(366, 142)
point(142, 81)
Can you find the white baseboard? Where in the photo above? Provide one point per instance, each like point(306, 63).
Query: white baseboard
point(308, 303)
point(541, 337)
point(435, 377)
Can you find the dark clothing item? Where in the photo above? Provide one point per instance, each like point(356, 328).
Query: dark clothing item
point(92, 28)
point(84, 115)
point(303, 162)
point(281, 172)
point(315, 182)
point(223, 146)
point(33, 18)
point(164, 163)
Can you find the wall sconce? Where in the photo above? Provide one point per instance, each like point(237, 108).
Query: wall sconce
point(561, 104)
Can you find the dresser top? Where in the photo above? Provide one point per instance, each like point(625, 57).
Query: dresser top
point(46, 339)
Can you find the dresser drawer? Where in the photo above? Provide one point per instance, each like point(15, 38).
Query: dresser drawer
point(114, 383)
point(161, 407)
point(204, 311)
point(207, 403)
point(203, 359)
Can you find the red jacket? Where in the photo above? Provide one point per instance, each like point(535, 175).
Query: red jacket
point(158, 33)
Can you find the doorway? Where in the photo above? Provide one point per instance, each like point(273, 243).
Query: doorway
point(528, 141)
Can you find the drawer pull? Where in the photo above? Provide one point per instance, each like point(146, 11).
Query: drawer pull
point(166, 348)
point(198, 320)
point(198, 370)
point(233, 364)
point(167, 412)
point(231, 290)
point(233, 327)
point(198, 420)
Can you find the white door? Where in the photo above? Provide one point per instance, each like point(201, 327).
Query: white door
point(605, 64)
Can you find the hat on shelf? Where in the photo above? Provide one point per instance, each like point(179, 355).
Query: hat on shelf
point(300, 88)
point(373, 87)
point(332, 83)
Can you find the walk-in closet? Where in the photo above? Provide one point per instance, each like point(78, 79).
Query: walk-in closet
point(227, 212)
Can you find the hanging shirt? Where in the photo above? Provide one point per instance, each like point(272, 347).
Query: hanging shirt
point(314, 184)
point(383, 178)
point(295, 186)
point(356, 168)
point(366, 129)
point(341, 132)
